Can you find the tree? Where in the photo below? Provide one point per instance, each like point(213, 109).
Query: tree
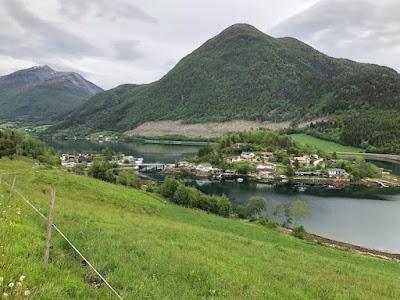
point(289, 171)
point(256, 205)
point(300, 210)
point(97, 170)
point(241, 211)
point(181, 195)
point(296, 164)
point(110, 176)
point(277, 210)
point(224, 206)
point(244, 167)
point(287, 208)
point(168, 188)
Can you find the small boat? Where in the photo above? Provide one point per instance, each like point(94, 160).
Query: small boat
point(240, 180)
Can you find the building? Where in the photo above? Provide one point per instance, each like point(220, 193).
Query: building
point(204, 167)
point(304, 161)
point(336, 173)
point(266, 167)
point(247, 155)
point(234, 158)
point(267, 154)
point(185, 164)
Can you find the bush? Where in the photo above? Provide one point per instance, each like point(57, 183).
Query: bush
point(241, 212)
point(169, 187)
point(272, 224)
point(299, 231)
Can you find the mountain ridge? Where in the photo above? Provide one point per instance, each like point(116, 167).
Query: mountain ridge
point(39, 92)
point(241, 73)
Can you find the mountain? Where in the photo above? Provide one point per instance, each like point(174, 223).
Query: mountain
point(241, 73)
point(38, 93)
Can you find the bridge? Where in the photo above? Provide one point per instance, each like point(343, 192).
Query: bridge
point(154, 167)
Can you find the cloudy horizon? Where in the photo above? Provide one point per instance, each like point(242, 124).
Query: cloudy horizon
point(112, 43)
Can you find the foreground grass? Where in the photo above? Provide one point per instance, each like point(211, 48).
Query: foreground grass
point(148, 249)
point(326, 146)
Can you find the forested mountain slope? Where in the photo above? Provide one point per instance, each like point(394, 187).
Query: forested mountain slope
point(241, 73)
point(38, 93)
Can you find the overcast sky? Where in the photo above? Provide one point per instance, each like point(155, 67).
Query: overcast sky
point(111, 42)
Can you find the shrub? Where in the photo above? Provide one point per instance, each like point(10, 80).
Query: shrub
point(299, 231)
point(241, 212)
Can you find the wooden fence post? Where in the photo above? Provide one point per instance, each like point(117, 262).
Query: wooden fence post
point(49, 226)
point(13, 186)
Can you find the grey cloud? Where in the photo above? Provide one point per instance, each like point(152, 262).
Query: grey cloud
point(354, 29)
point(112, 10)
point(39, 38)
point(127, 50)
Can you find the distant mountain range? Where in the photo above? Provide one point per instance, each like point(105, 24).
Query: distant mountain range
point(39, 93)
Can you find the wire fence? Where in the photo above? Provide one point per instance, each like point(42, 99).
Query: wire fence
point(66, 239)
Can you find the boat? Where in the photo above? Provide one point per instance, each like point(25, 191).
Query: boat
point(240, 180)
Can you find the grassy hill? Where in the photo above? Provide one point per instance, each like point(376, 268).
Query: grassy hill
point(324, 145)
point(147, 248)
point(241, 73)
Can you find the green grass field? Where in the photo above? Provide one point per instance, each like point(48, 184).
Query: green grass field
point(326, 146)
point(149, 249)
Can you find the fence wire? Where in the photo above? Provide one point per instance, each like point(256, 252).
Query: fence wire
point(67, 240)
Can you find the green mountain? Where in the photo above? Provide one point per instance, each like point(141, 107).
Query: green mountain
point(39, 93)
point(241, 73)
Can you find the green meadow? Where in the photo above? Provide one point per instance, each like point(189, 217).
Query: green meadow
point(326, 146)
point(147, 248)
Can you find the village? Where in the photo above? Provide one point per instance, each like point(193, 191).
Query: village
point(263, 166)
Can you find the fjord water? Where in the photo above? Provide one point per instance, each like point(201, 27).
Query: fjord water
point(365, 216)
point(149, 152)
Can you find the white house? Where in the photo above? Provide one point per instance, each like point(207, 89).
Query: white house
point(204, 167)
point(266, 167)
point(247, 155)
point(185, 164)
point(304, 161)
point(336, 172)
point(234, 158)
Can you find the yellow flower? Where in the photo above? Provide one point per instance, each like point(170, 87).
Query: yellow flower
point(22, 278)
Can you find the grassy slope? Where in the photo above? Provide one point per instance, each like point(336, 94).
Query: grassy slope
point(326, 146)
point(148, 249)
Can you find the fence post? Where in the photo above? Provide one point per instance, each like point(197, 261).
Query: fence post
point(13, 186)
point(49, 226)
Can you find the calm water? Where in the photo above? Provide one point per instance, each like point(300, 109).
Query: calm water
point(366, 216)
point(149, 152)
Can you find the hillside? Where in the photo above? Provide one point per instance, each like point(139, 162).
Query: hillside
point(39, 93)
point(147, 248)
point(241, 73)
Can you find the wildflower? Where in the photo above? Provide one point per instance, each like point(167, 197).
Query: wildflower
point(18, 212)
point(19, 284)
point(5, 295)
point(1, 278)
point(22, 278)
point(11, 285)
point(27, 292)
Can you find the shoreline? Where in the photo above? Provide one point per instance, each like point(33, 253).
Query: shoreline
point(356, 248)
point(262, 179)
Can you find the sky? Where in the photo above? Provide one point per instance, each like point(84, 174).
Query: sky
point(138, 41)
